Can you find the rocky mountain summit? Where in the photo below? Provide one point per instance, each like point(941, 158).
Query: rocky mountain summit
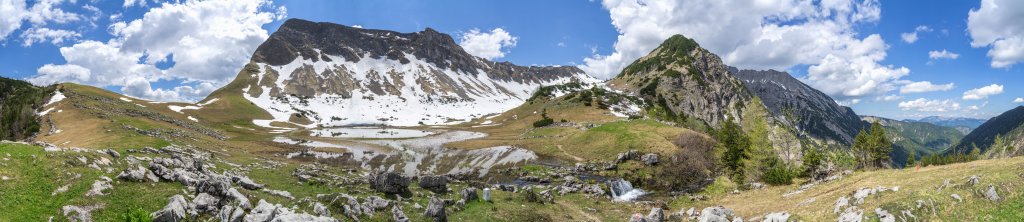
point(323, 74)
point(684, 82)
point(810, 111)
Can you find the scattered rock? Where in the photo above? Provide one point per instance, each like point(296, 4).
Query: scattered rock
point(436, 184)
point(246, 183)
point(756, 185)
point(435, 210)
point(852, 214)
point(546, 196)
point(716, 214)
point(991, 194)
point(60, 190)
point(469, 194)
point(973, 180)
point(205, 202)
point(281, 193)
point(629, 155)
point(656, 215)
point(388, 182)
point(650, 159)
point(137, 174)
point(957, 197)
point(884, 216)
point(375, 203)
point(397, 214)
point(113, 153)
point(243, 201)
point(320, 210)
point(776, 217)
point(841, 204)
point(174, 210)
point(99, 186)
point(79, 214)
point(216, 185)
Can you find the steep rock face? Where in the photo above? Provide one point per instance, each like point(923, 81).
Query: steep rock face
point(1007, 125)
point(810, 111)
point(919, 137)
point(322, 74)
point(685, 82)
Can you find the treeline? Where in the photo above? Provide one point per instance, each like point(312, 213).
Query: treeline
point(19, 101)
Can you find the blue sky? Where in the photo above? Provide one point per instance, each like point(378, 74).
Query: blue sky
point(855, 51)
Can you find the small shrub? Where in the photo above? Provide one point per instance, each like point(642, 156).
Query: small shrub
point(776, 172)
point(543, 122)
point(691, 168)
point(137, 215)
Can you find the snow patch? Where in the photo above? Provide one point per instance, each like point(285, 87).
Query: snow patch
point(57, 97)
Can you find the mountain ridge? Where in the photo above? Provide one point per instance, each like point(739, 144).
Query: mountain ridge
point(311, 74)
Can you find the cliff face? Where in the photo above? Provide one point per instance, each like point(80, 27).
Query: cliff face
point(810, 111)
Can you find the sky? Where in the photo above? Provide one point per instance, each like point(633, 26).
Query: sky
point(895, 59)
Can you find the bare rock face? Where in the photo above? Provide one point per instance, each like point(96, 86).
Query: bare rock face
point(388, 182)
point(820, 116)
point(686, 80)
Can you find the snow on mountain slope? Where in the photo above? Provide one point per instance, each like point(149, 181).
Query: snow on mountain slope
point(341, 76)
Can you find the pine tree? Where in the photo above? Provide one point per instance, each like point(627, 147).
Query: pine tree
point(911, 159)
point(880, 147)
point(734, 145)
point(860, 147)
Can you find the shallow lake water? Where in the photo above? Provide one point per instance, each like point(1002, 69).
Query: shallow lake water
point(411, 152)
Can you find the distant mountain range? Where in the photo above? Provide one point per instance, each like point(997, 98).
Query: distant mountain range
point(963, 124)
point(922, 138)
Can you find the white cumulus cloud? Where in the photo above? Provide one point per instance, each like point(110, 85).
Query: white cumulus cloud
point(487, 45)
point(924, 86)
point(13, 13)
point(983, 92)
point(54, 36)
point(942, 55)
point(761, 35)
point(997, 24)
point(207, 41)
point(1018, 100)
point(911, 37)
point(927, 105)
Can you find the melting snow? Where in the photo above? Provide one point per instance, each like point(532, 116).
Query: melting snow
point(180, 108)
point(57, 97)
point(412, 108)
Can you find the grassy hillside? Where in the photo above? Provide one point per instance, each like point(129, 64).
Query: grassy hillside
point(817, 203)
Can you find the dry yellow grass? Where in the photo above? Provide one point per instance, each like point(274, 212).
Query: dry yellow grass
point(915, 184)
